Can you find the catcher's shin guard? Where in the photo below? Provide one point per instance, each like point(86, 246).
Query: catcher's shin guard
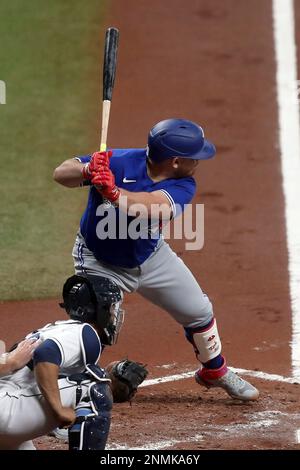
point(91, 428)
point(206, 341)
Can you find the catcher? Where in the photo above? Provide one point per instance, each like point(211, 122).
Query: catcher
point(63, 386)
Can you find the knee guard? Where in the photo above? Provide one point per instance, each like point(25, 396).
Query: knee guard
point(91, 428)
point(206, 341)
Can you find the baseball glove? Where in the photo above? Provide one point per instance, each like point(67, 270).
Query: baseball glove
point(125, 377)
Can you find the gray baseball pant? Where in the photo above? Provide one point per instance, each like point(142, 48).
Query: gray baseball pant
point(163, 279)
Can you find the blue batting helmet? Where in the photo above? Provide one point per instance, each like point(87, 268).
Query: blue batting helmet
point(178, 138)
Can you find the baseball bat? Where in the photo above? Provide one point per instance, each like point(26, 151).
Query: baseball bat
point(109, 72)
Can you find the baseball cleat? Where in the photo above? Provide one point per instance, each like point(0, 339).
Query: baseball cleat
point(234, 385)
point(60, 433)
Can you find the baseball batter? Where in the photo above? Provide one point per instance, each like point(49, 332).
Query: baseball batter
point(154, 177)
point(62, 385)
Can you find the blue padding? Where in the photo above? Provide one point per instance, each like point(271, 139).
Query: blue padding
point(48, 351)
point(91, 344)
point(94, 434)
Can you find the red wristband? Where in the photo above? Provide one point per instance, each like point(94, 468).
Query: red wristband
point(86, 172)
point(112, 194)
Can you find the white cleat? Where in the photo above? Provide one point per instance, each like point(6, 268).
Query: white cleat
point(61, 434)
point(234, 385)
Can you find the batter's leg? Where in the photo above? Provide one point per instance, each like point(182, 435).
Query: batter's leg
point(167, 282)
point(87, 265)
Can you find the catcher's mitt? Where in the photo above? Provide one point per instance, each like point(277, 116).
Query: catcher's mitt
point(125, 377)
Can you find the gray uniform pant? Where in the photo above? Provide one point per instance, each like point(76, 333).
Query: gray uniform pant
point(163, 279)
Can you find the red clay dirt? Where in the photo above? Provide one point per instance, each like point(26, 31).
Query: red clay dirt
point(212, 62)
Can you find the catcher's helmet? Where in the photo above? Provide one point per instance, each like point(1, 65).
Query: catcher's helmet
point(178, 138)
point(95, 300)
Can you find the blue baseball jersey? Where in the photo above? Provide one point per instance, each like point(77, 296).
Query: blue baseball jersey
point(130, 170)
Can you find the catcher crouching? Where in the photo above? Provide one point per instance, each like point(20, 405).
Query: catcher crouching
point(62, 385)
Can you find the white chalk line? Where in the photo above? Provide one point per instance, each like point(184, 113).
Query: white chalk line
point(158, 445)
point(250, 373)
point(289, 138)
point(262, 421)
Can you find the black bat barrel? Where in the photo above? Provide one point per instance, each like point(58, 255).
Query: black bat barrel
point(110, 62)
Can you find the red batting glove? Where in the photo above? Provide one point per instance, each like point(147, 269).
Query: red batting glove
point(98, 161)
point(105, 183)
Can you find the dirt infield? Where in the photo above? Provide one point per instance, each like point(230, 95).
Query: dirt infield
point(212, 62)
point(180, 414)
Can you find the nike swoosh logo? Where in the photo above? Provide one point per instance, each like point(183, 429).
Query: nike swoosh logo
point(125, 180)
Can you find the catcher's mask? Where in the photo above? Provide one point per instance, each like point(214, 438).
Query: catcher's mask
point(95, 300)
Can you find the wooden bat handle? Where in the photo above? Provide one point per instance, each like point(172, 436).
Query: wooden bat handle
point(105, 121)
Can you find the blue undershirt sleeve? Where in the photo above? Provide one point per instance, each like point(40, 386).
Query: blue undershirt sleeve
point(91, 345)
point(48, 351)
point(83, 158)
point(179, 194)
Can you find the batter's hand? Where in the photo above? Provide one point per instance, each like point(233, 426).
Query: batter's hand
point(104, 182)
point(98, 161)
